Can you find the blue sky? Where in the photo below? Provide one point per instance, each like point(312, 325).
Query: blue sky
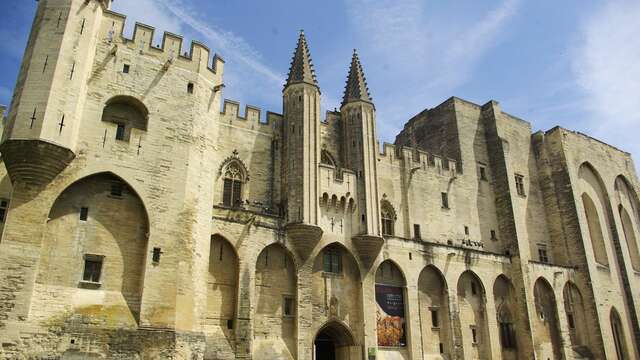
point(570, 63)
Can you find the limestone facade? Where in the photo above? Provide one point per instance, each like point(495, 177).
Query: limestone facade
point(141, 222)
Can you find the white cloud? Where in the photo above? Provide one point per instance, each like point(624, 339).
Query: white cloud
point(607, 67)
point(427, 53)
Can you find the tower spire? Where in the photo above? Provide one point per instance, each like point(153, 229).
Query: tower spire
point(356, 88)
point(301, 70)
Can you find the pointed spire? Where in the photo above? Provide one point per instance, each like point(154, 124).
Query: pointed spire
point(356, 88)
point(301, 70)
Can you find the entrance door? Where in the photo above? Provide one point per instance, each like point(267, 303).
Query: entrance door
point(325, 348)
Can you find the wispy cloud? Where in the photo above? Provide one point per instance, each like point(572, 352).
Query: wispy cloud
point(607, 67)
point(249, 79)
point(425, 53)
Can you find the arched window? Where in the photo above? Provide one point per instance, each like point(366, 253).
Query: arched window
point(234, 179)
point(618, 335)
point(127, 113)
point(388, 216)
point(595, 230)
point(327, 159)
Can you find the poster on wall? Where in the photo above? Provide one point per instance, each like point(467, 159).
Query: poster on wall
point(390, 315)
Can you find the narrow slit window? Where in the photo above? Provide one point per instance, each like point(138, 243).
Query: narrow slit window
point(483, 173)
point(435, 321)
point(474, 335)
point(4, 205)
point(493, 235)
point(288, 308)
point(520, 185)
point(466, 230)
point(416, 231)
point(445, 200)
point(84, 213)
point(190, 88)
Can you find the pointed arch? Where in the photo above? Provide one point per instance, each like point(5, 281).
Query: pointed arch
point(549, 339)
point(472, 316)
point(595, 230)
point(327, 158)
point(338, 331)
point(127, 112)
point(390, 273)
point(98, 227)
point(628, 209)
point(597, 210)
point(506, 315)
point(619, 340)
point(234, 176)
point(433, 298)
point(222, 284)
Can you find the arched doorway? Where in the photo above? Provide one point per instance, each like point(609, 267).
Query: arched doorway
point(333, 342)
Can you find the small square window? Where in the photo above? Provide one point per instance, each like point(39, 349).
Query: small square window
point(542, 254)
point(84, 213)
point(116, 189)
point(445, 200)
point(92, 268)
point(288, 306)
point(125, 68)
point(190, 88)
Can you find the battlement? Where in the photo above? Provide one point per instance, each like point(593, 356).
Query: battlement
point(338, 189)
point(418, 159)
point(198, 58)
point(230, 114)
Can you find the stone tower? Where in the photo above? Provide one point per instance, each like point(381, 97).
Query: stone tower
point(43, 123)
point(359, 154)
point(301, 150)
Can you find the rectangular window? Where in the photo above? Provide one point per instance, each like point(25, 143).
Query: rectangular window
point(466, 230)
point(125, 68)
point(4, 205)
point(116, 189)
point(542, 254)
point(288, 306)
point(570, 321)
point(92, 268)
point(445, 200)
point(190, 88)
point(483, 173)
point(84, 213)
point(331, 261)
point(507, 336)
point(416, 231)
point(474, 335)
point(493, 235)
point(441, 348)
point(120, 131)
point(520, 185)
point(156, 255)
point(435, 322)
point(474, 291)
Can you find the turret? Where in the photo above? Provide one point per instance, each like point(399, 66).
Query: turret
point(359, 155)
point(41, 130)
point(301, 150)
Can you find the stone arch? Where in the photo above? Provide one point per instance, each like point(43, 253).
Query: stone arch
point(275, 312)
point(222, 289)
point(507, 315)
point(96, 237)
point(128, 112)
point(391, 307)
point(334, 340)
point(595, 230)
point(336, 286)
point(595, 202)
point(619, 340)
point(628, 209)
point(472, 316)
point(548, 338)
point(577, 320)
point(433, 298)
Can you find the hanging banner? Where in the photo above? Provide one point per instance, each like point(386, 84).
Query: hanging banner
point(390, 315)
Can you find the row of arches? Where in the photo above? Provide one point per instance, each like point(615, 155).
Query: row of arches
point(445, 316)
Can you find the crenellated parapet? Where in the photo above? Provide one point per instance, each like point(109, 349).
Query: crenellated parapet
point(419, 161)
point(338, 188)
point(169, 52)
point(252, 118)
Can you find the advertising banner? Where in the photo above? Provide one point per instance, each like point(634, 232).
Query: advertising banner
point(390, 315)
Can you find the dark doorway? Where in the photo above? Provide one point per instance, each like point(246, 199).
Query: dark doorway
point(325, 346)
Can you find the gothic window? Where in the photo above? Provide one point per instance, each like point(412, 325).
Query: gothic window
point(388, 216)
point(233, 181)
point(327, 159)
